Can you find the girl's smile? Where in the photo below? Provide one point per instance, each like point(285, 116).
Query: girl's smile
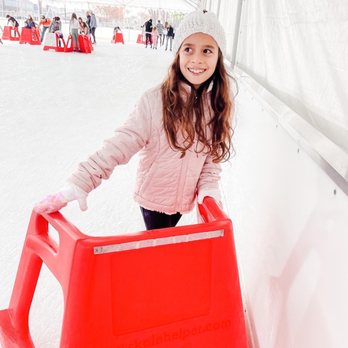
point(196, 71)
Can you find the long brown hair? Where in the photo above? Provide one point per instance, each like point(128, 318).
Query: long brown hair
point(184, 112)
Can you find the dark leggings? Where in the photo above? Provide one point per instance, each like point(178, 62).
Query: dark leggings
point(155, 219)
point(93, 34)
point(148, 39)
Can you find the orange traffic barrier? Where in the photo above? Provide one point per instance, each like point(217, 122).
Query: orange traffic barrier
point(140, 39)
point(166, 288)
point(118, 37)
point(30, 36)
point(10, 33)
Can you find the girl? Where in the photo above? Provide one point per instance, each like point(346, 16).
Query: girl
point(182, 128)
point(46, 23)
point(74, 26)
point(83, 27)
point(154, 37)
point(29, 23)
point(169, 37)
point(12, 21)
point(56, 27)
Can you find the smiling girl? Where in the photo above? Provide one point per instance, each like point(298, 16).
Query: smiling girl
point(182, 129)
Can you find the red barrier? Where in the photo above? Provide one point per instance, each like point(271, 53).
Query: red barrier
point(118, 37)
point(140, 39)
point(85, 44)
point(10, 33)
point(6, 34)
point(30, 36)
point(54, 42)
point(166, 288)
point(69, 47)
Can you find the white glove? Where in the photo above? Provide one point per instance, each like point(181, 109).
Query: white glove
point(57, 201)
point(213, 193)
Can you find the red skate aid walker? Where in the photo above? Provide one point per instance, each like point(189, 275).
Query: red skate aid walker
point(10, 33)
point(167, 288)
point(118, 38)
point(55, 41)
point(30, 36)
point(140, 39)
point(85, 44)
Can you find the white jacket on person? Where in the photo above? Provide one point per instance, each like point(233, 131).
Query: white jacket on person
point(73, 24)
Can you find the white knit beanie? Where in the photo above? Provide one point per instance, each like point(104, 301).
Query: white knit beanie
point(200, 22)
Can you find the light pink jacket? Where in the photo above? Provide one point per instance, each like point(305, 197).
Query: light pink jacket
point(165, 182)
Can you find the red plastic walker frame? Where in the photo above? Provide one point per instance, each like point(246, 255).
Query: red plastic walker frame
point(166, 288)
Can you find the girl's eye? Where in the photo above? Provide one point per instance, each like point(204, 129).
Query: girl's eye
point(188, 49)
point(207, 51)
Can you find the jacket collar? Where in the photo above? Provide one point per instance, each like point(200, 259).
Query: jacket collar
point(188, 88)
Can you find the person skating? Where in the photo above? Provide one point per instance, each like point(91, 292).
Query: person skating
point(181, 127)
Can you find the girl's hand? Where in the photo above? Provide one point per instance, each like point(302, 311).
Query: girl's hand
point(215, 194)
point(55, 202)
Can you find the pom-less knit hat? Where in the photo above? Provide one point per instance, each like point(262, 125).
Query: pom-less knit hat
point(200, 22)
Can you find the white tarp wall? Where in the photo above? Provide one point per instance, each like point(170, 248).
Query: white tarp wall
point(298, 50)
point(291, 213)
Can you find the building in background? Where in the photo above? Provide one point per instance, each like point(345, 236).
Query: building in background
point(126, 14)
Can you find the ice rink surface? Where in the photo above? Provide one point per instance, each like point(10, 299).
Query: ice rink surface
point(55, 110)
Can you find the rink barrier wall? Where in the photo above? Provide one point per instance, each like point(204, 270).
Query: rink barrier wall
point(332, 159)
point(290, 228)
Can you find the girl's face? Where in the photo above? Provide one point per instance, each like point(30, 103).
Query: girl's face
point(198, 57)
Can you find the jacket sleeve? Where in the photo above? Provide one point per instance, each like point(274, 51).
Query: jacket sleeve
point(93, 22)
point(126, 141)
point(208, 183)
